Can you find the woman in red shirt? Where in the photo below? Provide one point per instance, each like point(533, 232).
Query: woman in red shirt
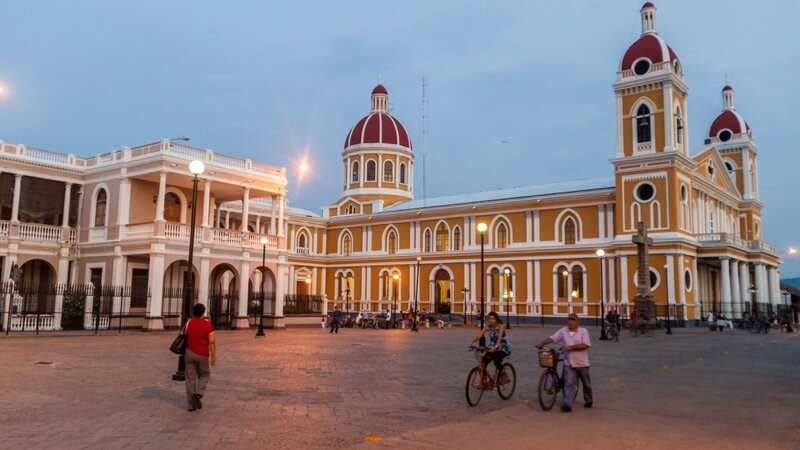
point(200, 345)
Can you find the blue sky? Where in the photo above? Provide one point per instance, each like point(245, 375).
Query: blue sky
point(273, 81)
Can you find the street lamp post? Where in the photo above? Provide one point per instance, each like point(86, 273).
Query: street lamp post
point(396, 278)
point(308, 292)
point(666, 303)
point(482, 231)
point(600, 254)
point(465, 291)
point(416, 295)
point(196, 168)
point(264, 241)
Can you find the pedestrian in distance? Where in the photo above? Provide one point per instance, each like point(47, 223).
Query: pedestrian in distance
point(324, 325)
point(201, 352)
point(337, 316)
point(635, 321)
point(711, 322)
point(576, 344)
point(720, 323)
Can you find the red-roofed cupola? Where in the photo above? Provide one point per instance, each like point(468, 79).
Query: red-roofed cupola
point(649, 50)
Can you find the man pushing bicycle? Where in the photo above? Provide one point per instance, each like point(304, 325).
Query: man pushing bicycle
point(576, 345)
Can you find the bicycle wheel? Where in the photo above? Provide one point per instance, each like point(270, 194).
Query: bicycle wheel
point(755, 328)
point(474, 390)
point(548, 389)
point(506, 390)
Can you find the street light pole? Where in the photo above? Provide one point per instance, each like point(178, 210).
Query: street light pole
point(396, 278)
point(416, 295)
point(264, 240)
point(666, 303)
point(603, 337)
point(507, 294)
point(465, 291)
point(196, 168)
point(482, 231)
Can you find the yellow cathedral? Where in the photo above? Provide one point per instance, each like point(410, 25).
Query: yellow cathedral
point(376, 248)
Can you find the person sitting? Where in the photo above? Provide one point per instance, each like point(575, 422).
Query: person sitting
point(439, 321)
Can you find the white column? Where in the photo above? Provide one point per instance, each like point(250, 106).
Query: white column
point(774, 290)
point(227, 219)
point(280, 294)
point(206, 202)
point(529, 280)
point(241, 321)
point(162, 191)
point(218, 220)
point(744, 284)
point(258, 224)
point(536, 226)
point(727, 308)
point(15, 206)
point(368, 292)
point(67, 196)
point(623, 277)
point(736, 296)
point(528, 227)
point(62, 277)
point(761, 288)
point(314, 281)
point(205, 270)
point(612, 285)
point(273, 217)
point(281, 231)
point(245, 208)
point(124, 203)
point(322, 290)
point(671, 279)
point(154, 319)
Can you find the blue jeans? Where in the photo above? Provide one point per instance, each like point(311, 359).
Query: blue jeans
point(570, 374)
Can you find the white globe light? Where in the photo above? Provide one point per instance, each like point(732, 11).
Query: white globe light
point(601, 252)
point(264, 240)
point(303, 167)
point(197, 167)
point(482, 227)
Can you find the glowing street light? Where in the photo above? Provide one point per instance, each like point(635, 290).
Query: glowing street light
point(482, 231)
point(603, 337)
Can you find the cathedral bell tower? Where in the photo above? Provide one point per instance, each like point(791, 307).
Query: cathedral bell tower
point(651, 132)
point(377, 162)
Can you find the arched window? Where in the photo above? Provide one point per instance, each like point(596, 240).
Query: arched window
point(442, 238)
point(508, 284)
point(502, 236)
point(457, 239)
point(643, 124)
point(350, 209)
point(100, 208)
point(577, 282)
point(388, 172)
point(355, 174)
point(495, 278)
point(370, 170)
point(569, 232)
point(391, 246)
point(678, 126)
point(385, 286)
point(346, 245)
point(402, 173)
point(301, 240)
point(427, 247)
point(172, 207)
point(562, 274)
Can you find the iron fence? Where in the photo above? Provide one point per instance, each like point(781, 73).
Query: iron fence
point(254, 306)
point(69, 308)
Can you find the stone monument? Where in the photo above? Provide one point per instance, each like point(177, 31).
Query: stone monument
point(643, 302)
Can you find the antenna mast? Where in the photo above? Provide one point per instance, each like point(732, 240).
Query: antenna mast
point(424, 137)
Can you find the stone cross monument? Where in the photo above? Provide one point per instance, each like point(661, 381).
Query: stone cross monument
point(643, 302)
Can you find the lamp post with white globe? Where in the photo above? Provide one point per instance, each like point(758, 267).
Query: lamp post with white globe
point(196, 168)
point(264, 241)
point(600, 254)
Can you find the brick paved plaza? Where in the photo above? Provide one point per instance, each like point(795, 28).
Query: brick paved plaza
point(302, 389)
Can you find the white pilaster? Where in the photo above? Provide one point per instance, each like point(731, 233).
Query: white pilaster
point(761, 294)
point(671, 279)
point(67, 197)
point(623, 269)
point(529, 278)
point(124, 203)
point(205, 269)
point(528, 227)
point(281, 231)
point(206, 202)
point(736, 296)
point(536, 224)
point(154, 319)
point(17, 192)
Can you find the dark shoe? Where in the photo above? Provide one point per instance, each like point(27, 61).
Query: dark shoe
point(587, 405)
point(566, 409)
point(197, 401)
point(192, 408)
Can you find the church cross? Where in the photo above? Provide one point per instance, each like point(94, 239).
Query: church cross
point(642, 243)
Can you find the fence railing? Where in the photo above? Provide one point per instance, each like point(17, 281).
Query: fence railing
point(302, 304)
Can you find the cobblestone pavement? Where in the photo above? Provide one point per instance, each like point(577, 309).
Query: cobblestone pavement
point(303, 389)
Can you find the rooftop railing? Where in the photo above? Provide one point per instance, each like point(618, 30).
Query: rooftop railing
point(727, 238)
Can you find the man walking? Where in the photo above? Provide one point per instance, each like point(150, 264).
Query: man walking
point(337, 316)
point(576, 345)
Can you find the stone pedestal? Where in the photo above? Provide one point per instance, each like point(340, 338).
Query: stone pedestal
point(153, 323)
point(646, 304)
point(240, 323)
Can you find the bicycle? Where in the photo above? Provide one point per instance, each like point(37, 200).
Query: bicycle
point(550, 383)
point(759, 327)
point(480, 379)
point(612, 332)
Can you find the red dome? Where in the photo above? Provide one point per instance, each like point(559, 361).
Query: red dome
point(649, 46)
point(378, 128)
point(731, 120)
point(379, 89)
point(648, 5)
point(727, 88)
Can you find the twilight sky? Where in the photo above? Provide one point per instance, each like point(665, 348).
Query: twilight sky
point(519, 93)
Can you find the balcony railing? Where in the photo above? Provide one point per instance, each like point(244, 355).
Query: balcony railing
point(727, 238)
point(302, 251)
point(37, 232)
point(180, 232)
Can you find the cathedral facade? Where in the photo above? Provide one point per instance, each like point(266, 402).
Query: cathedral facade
point(376, 248)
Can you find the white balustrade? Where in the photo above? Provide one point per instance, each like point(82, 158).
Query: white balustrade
point(46, 322)
point(138, 230)
point(39, 232)
point(5, 227)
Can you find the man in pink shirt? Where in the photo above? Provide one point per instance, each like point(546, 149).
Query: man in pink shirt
point(576, 344)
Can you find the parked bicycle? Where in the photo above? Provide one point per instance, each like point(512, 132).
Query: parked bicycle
point(482, 379)
point(550, 382)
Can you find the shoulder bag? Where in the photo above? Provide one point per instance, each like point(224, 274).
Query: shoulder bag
point(178, 345)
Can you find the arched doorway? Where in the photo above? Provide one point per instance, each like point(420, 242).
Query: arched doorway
point(442, 294)
point(35, 291)
point(177, 284)
point(223, 292)
point(262, 282)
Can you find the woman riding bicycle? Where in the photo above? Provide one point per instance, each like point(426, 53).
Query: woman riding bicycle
point(498, 347)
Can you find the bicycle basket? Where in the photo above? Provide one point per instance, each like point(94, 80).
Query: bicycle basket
point(547, 358)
